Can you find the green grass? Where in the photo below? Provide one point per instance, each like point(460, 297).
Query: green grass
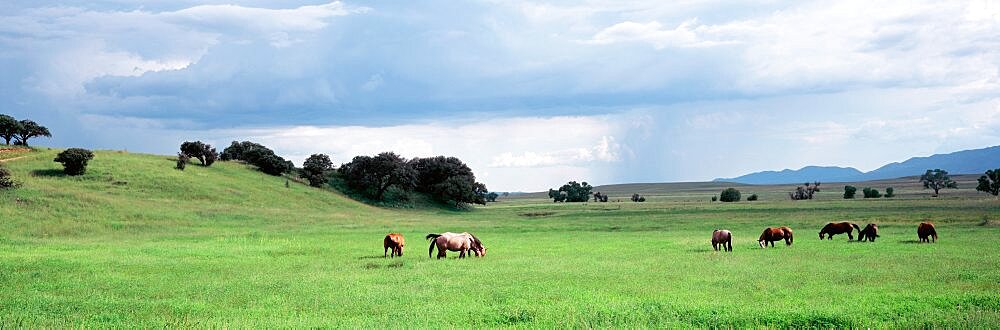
point(137, 243)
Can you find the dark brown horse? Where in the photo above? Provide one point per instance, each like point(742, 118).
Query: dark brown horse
point(770, 235)
point(395, 242)
point(835, 228)
point(869, 233)
point(722, 238)
point(925, 230)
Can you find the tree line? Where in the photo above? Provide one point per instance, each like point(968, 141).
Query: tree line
point(445, 179)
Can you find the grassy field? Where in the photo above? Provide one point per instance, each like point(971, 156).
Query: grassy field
point(137, 243)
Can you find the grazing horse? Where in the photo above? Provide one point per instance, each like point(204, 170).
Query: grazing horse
point(835, 228)
point(395, 242)
point(722, 238)
point(775, 234)
point(926, 230)
point(870, 233)
point(465, 243)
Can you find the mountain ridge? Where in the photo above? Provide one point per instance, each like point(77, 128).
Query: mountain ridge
point(972, 161)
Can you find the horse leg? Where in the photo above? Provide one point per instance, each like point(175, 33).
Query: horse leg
point(385, 251)
point(715, 246)
point(730, 244)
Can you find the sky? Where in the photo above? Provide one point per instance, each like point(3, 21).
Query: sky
point(529, 94)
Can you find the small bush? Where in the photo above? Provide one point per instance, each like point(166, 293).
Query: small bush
point(730, 195)
point(849, 192)
point(715, 198)
point(6, 181)
point(74, 160)
point(889, 193)
point(752, 198)
point(871, 193)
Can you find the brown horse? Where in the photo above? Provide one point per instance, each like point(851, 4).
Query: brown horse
point(869, 233)
point(465, 243)
point(770, 235)
point(925, 230)
point(835, 228)
point(722, 238)
point(395, 242)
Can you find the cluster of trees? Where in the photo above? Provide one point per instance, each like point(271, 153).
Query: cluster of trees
point(257, 155)
point(599, 197)
point(571, 192)
point(316, 169)
point(805, 191)
point(445, 179)
point(868, 192)
point(638, 199)
point(20, 130)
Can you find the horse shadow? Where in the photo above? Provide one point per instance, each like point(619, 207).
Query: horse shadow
point(49, 173)
point(910, 241)
point(372, 257)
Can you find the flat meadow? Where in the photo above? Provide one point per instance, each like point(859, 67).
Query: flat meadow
point(136, 243)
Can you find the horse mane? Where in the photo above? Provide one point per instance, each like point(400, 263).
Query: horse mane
point(476, 239)
point(430, 236)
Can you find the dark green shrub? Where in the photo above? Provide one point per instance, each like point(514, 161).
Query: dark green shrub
point(316, 169)
point(752, 198)
point(871, 193)
point(889, 193)
point(6, 181)
point(730, 195)
point(74, 160)
point(849, 192)
point(715, 198)
point(182, 160)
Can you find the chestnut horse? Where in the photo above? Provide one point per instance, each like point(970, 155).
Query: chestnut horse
point(870, 233)
point(926, 230)
point(722, 238)
point(465, 243)
point(775, 234)
point(835, 228)
point(395, 242)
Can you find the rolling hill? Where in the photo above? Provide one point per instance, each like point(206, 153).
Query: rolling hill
point(974, 161)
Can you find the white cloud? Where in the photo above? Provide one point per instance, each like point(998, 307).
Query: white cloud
point(687, 34)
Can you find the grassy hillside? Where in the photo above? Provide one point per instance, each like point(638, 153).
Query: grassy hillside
point(137, 243)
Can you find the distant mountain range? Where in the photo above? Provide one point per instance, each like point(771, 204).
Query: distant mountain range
point(974, 161)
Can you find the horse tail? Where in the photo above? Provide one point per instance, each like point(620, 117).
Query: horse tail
point(790, 237)
point(430, 249)
point(430, 236)
point(856, 227)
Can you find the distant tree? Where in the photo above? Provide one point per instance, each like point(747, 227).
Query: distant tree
point(505, 194)
point(316, 168)
point(752, 198)
point(244, 151)
point(871, 193)
point(74, 160)
point(637, 198)
point(889, 192)
point(492, 197)
point(204, 152)
point(730, 195)
point(990, 183)
point(440, 176)
point(182, 160)
point(572, 192)
point(6, 181)
point(373, 176)
point(715, 198)
point(30, 129)
point(274, 165)
point(849, 192)
point(805, 191)
point(599, 197)
point(557, 196)
point(937, 179)
point(9, 127)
